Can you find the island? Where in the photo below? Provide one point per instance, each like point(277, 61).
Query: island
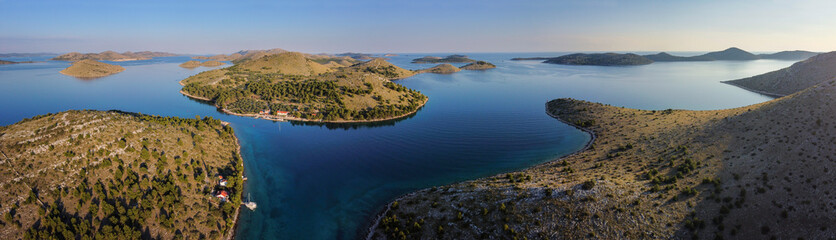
point(194, 64)
point(762, 170)
point(479, 65)
point(665, 57)
point(447, 59)
point(3, 62)
point(444, 68)
point(119, 175)
point(91, 69)
point(112, 56)
point(799, 76)
point(730, 54)
point(290, 86)
point(358, 56)
point(600, 59)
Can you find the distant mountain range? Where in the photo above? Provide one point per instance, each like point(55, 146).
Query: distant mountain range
point(732, 54)
point(616, 59)
point(112, 56)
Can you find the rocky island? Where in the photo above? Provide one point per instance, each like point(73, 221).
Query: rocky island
point(118, 175)
point(600, 59)
point(444, 68)
point(112, 56)
point(447, 59)
point(756, 171)
point(479, 65)
point(91, 69)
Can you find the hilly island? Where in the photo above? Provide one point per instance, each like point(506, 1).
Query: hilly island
point(295, 86)
point(119, 175)
point(759, 171)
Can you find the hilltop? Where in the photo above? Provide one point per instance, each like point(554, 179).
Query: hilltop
point(112, 56)
point(91, 69)
point(760, 171)
point(600, 59)
point(447, 59)
point(109, 175)
point(306, 90)
point(194, 64)
point(799, 76)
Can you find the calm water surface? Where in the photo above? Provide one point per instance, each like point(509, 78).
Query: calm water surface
point(327, 182)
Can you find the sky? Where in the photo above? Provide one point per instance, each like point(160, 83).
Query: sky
point(400, 26)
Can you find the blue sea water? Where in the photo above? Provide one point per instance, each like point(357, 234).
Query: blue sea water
point(328, 181)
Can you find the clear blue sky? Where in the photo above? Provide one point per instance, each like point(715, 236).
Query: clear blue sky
point(415, 26)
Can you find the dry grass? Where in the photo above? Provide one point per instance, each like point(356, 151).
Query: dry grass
point(654, 174)
point(91, 69)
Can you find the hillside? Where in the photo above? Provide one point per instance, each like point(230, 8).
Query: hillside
point(665, 57)
point(760, 171)
point(116, 175)
point(797, 77)
point(479, 65)
point(447, 59)
point(600, 59)
point(444, 68)
point(91, 69)
point(112, 56)
point(789, 55)
point(306, 90)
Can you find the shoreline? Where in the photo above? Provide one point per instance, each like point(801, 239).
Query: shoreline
point(231, 234)
point(768, 94)
point(593, 137)
point(256, 116)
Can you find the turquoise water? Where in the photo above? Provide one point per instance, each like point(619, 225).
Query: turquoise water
point(328, 181)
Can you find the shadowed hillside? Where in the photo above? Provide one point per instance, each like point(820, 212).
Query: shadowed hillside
point(797, 77)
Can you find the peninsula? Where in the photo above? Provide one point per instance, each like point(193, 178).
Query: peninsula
point(115, 175)
point(91, 69)
point(447, 59)
point(799, 76)
point(3, 62)
point(756, 171)
point(112, 56)
point(194, 64)
point(289, 86)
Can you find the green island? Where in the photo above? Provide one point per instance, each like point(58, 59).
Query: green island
point(118, 175)
point(652, 174)
point(600, 59)
point(290, 86)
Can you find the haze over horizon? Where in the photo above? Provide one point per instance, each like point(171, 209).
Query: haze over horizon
point(427, 26)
